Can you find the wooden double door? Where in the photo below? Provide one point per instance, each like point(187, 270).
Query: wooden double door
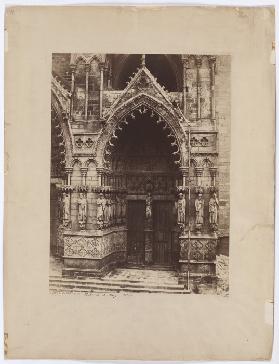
point(161, 234)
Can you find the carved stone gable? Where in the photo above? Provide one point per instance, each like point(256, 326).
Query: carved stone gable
point(142, 82)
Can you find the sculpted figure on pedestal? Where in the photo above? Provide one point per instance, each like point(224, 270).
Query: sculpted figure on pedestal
point(66, 206)
point(148, 206)
point(118, 209)
point(109, 204)
point(101, 203)
point(181, 206)
point(213, 210)
point(123, 209)
point(82, 210)
point(148, 210)
point(199, 206)
point(113, 210)
point(106, 211)
point(60, 208)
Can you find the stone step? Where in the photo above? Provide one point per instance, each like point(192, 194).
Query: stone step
point(69, 287)
point(116, 283)
point(158, 282)
point(154, 267)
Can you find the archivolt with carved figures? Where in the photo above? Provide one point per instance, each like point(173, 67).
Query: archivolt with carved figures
point(141, 104)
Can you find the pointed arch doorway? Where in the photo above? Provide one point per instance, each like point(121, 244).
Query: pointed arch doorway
point(144, 159)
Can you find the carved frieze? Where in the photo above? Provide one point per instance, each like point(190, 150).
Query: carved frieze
point(203, 143)
point(200, 249)
point(94, 247)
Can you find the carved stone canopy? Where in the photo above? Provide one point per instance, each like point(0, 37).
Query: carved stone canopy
point(199, 190)
point(141, 104)
point(182, 189)
point(142, 92)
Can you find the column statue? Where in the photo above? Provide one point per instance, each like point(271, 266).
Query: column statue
point(106, 211)
point(213, 211)
point(118, 209)
point(122, 212)
point(101, 203)
point(148, 207)
point(60, 208)
point(66, 206)
point(181, 206)
point(123, 209)
point(109, 204)
point(199, 207)
point(82, 210)
point(113, 209)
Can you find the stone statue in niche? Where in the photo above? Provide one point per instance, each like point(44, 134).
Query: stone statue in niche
point(113, 209)
point(118, 209)
point(60, 208)
point(213, 211)
point(66, 206)
point(123, 209)
point(181, 206)
point(106, 211)
point(82, 210)
point(109, 203)
point(148, 208)
point(199, 207)
point(101, 203)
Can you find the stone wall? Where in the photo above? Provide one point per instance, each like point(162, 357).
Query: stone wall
point(223, 117)
point(210, 148)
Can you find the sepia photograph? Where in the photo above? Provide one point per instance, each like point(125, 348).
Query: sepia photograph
point(140, 184)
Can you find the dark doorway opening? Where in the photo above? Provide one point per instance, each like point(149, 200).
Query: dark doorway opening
point(135, 238)
point(143, 159)
point(163, 232)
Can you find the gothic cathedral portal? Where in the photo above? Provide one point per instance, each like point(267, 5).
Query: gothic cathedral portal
point(140, 162)
point(144, 158)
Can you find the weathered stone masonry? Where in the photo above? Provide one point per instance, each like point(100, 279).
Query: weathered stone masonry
point(140, 155)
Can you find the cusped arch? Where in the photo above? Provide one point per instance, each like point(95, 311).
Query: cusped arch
point(78, 59)
point(206, 162)
point(76, 161)
point(90, 160)
point(117, 116)
point(193, 162)
point(97, 57)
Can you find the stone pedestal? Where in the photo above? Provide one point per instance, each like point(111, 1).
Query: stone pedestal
point(198, 255)
point(93, 253)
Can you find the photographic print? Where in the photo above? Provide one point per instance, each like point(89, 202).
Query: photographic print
point(140, 185)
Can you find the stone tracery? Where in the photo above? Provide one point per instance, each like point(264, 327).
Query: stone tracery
point(91, 137)
point(120, 116)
